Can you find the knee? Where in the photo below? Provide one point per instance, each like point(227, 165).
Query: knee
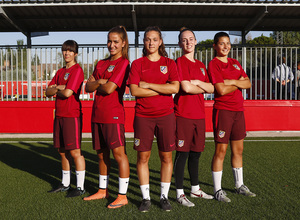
point(75, 154)
point(237, 153)
point(220, 155)
point(166, 159)
point(119, 157)
point(143, 159)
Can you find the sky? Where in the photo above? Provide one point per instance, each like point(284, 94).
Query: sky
point(57, 38)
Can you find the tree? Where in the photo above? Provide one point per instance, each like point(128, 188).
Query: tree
point(262, 40)
point(202, 45)
point(287, 37)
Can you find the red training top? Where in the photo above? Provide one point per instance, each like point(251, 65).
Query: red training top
point(188, 105)
point(73, 79)
point(109, 108)
point(218, 71)
point(160, 72)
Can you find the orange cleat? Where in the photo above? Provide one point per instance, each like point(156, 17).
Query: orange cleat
point(119, 202)
point(101, 194)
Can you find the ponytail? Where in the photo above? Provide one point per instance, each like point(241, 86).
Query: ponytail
point(121, 30)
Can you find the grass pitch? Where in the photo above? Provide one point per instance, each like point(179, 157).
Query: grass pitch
point(29, 168)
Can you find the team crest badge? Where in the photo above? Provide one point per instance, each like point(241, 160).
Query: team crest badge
point(137, 142)
point(203, 71)
point(221, 134)
point(180, 143)
point(110, 68)
point(164, 69)
point(66, 76)
point(236, 66)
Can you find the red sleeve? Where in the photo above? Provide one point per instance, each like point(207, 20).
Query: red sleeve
point(173, 76)
point(95, 73)
point(183, 72)
point(243, 74)
point(214, 72)
point(119, 72)
point(75, 80)
point(54, 79)
point(135, 71)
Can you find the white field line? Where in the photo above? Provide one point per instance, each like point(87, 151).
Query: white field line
point(131, 141)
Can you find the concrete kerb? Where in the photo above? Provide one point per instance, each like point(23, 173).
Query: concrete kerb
point(130, 134)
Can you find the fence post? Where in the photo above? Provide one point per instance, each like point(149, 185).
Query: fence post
point(244, 65)
point(28, 50)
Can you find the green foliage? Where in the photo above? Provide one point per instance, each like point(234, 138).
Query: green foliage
point(202, 45)
point(262, 40)
point(176, 54)
point(29, 168)
point(288, 37)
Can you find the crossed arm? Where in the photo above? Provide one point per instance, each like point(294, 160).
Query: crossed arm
point(196, 87)
point(59, 90)
point(101, 85)
point(145, 89)
point(230, 85)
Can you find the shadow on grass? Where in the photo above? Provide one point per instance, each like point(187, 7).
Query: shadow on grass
point(31, 159)
point(43, 161)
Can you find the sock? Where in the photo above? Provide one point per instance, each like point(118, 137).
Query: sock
point(179, 192)
point(193, 167)
point(66, 177)
point(195, 188)
point(164, 189)
point(238, 176)
point(179, 164)
point(80, 175)
point(217, 179)
point(145, 191)
point(123, 185)
point(103, 181)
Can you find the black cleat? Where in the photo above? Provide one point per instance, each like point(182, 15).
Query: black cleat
point(60, 188)
point(165, 204)
point(76, 192)
point(145, 205)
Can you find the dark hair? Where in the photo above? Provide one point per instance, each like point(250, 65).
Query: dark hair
point(70, 45)
point(121, 30)
point(183, 29)
point(219, 35)
point(217, 38)
point(161, 49)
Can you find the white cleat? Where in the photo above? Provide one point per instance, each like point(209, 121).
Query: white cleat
point(184, 201)
point(201, 194)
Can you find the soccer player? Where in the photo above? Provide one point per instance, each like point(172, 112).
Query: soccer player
point(153, 79)
point(228, 78)
point(108, 116)
point(67, 129)
point(190, 117)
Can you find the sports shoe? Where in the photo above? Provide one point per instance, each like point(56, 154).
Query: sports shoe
point(165, 204)
point(145, 205)
point(243, 190)
point(76, 192)
point(119, 202)
point(101, 194)
point(184, 201)
point(200, 194)
point(221, 196)
point(60, 188)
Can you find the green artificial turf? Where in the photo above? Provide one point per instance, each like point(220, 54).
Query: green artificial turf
point(31, 167)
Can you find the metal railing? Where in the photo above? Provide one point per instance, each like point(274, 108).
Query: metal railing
point(25, 73)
